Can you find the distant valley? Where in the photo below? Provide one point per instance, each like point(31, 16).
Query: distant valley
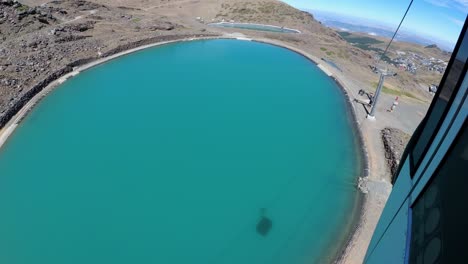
point(353, 24)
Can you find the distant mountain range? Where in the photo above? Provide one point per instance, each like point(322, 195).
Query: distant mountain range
point(354, 24)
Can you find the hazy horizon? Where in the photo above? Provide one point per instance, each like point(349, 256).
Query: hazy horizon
point(450, 14)
point(330, 18)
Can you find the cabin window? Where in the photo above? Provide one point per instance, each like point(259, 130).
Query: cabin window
point(441, 104)
point(440, 214)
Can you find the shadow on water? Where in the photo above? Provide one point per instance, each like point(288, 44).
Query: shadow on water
point(264, 224)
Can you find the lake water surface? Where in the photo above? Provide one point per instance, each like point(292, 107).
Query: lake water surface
point(168, 155)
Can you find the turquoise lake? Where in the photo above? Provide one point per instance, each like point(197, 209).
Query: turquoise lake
point(168, 155)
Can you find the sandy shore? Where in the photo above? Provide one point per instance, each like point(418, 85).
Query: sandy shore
point(358, 241)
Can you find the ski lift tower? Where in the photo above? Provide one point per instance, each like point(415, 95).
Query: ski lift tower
point(384, 72)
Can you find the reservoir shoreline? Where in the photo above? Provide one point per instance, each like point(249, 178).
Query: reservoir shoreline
point(56, 79)
point(222, 24)
point(361, 205)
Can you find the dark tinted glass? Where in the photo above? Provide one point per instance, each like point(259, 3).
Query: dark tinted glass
point(440, 105)
point(440, 215)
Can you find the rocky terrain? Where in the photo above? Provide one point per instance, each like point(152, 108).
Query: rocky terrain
point(42, 39)
point(394, 141)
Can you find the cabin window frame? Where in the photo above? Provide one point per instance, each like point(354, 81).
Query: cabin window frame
point(463, 132)
point(425, 139)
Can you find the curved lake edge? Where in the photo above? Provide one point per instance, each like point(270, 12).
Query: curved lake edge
point(223, 24)
point(339, 248)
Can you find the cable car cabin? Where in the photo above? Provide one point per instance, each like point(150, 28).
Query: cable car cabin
point(425, 218)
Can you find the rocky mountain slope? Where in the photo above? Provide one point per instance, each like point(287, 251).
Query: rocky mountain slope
point(41, 40)
point(394, 141)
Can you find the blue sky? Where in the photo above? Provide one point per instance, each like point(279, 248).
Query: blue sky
point(441, 19)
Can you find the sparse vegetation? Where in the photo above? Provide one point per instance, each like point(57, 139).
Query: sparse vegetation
point(387, 90)
point(262, 11)
point(343, 54)
point(364, 43)
point(323, 49)
point(284, 37)
point(359, 39)
point(390, 91)
point(432, 46)
point(22, 8)
point(344, 34)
